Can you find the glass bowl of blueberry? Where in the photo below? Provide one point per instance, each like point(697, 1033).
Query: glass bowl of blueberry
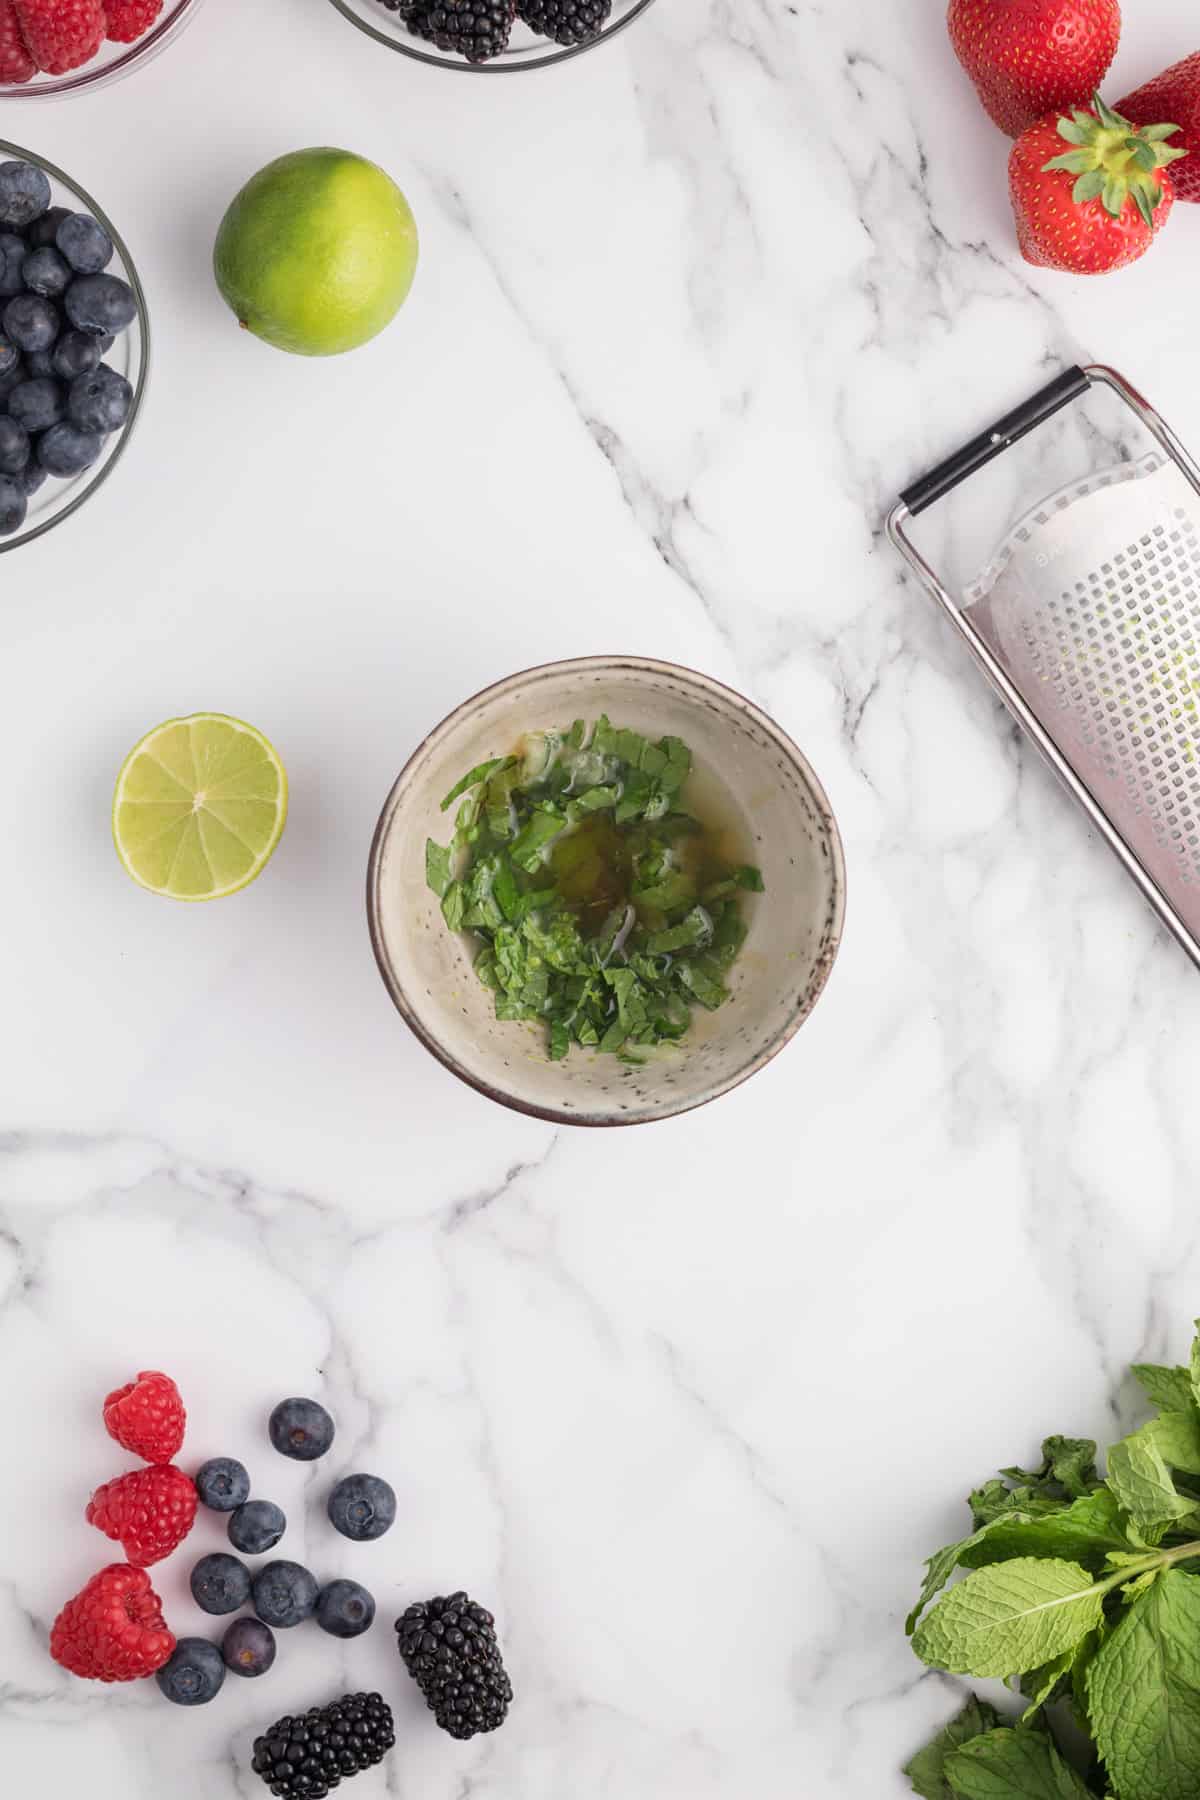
point(74, 346)
point(48, 49)
point(496, 37)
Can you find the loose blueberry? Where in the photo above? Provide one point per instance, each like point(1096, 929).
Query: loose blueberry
point(30, 322)
point(14, 447)
point(65, 450)
point(100, 303)
point(222, 1483)
point(100, 401)
point(37, 404)
point(362, 1507)
point(32, 477)
point(220, 1583)
point(47, 273)
point(248, 1647)
point(13, 253)
point(194, 1674)
point(24, 194)
point(284, 1594)
point(301, 1429)
point(44, 231)
point(12, 505)
point(345, 1610)
point(85, 244)
point(256, 1527)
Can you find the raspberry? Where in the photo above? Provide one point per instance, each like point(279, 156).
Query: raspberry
point(16, 64)
point(147, 1418)
point(149, 1512)
point(129, 20)
point(113, 1630)
point(61, 34)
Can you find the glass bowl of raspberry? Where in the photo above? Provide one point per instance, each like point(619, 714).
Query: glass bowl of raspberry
point(48, 50)
point(74, 346)
point(491, 37)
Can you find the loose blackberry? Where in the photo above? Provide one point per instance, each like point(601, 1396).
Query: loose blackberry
point(566, 21)
point(449, 1648)
point(303, 1759)
point(476, 29)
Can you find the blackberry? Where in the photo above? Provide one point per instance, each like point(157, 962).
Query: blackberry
point(303, 1759)
point(566, 21)
point(449, 1648)
point(476, 29)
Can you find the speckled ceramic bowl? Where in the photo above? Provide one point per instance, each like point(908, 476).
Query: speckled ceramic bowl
point(745, 766)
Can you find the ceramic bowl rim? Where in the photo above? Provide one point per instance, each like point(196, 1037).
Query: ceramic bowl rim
point(612, 665)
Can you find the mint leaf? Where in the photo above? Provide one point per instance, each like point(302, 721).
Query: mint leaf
point(1085, 1532)
point(1143, 1691)
point(1194, 1369)
point(940, 1567)
point(1040, 1685)
point(1009, 1618)
point(1068, 1469)
point(437, 868)
point(1142, 1483)
point(1013, 1765)
point(1176, 1437)
point(927, 1770)
point(474, 777)
point(1168, 1389)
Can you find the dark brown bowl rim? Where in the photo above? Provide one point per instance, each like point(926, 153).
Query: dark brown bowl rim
point(558, 1115)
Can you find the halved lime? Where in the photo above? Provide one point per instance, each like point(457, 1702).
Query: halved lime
point(200, 805)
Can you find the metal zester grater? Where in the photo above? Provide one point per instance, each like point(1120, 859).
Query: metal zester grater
point(1087, 623)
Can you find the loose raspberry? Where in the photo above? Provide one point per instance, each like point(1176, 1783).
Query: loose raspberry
point(61, 34)
point(113, 1630)
point(16, 64)
point(149, 1512)
point(146, 1416)
point(129, 20)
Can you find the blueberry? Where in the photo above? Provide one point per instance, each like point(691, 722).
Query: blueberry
point(32, 477)
point(248, 1647)
point(12, 370)
point(37, 404)
point(301, 1429)
point(13, 252)
point(44, 231)
point(220, 1583)
point(222, 1483)
point(100, 303)
point(194, 1674)
point(12, 505)
point(65, 450)
point(284, 1594)
point(30, 322)
point(24, 194)
point(47, 273)
point(345, 1609)
point(39, 365)
point(362, 1507)
point(14, 446)
point(85, 244)
point(256, 1527)
point(100, 401)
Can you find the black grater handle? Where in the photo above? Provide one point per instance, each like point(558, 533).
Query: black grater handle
point(1072, 384)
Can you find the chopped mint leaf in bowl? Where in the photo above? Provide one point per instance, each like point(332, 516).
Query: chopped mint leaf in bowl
point(606, 891)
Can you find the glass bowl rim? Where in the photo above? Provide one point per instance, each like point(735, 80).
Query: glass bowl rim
point(93, 74)
point(102, 474)
point(498, 66)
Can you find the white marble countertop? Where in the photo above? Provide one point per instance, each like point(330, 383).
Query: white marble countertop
point(685, 1405)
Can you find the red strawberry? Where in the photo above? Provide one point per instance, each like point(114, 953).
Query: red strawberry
point(61, 34)
point(16, 64)
point(129, 20)
point(147, 1417)
point(114, 1629)
point(149, 1512)
point(1174, 95)
point(1030, 57)
point(1100, 204)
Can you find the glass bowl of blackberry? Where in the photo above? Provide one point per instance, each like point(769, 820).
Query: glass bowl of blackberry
point(48, 50)
point(493, 37)
point(74, 346)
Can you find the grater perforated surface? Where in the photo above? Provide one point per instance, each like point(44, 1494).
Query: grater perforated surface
point(1092, 605)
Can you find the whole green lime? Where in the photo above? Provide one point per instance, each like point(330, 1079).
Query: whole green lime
point(317, 253)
